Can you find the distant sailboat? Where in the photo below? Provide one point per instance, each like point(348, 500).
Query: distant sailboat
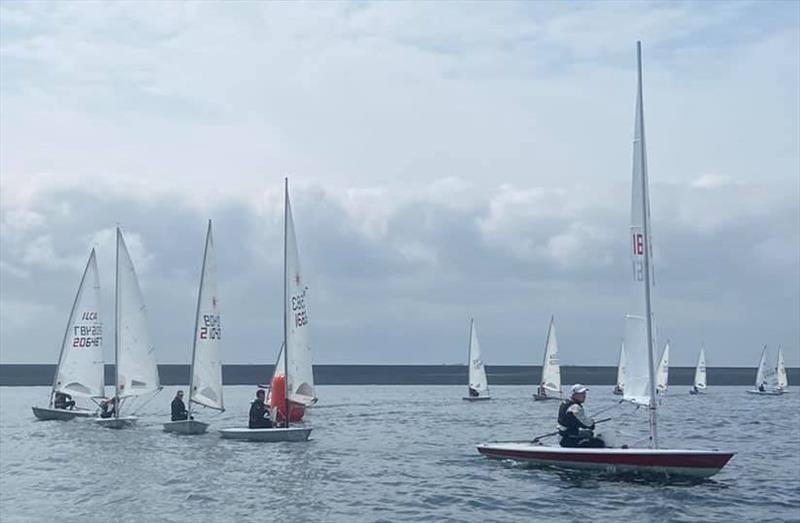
point(136, 369)
point(80, 363)
point(780, 371)
point(205, 385)
point(550, 385)
point(699, 374)
point(662, 380)
point(478, 387)
point(619, 388)
point(640, 379)
point(767, 380)
point(298, 377)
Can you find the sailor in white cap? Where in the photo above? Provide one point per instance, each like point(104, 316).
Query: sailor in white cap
point(574, 426)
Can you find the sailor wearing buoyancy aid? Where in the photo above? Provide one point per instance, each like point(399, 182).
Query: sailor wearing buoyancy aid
point(574, 426)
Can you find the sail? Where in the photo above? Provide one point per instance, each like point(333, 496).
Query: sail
point(206, 384)
point(780, 370)
point(298, 348)
point(662, 375)
point(551, 371)
point(700, 370)
point(638, 327)
point(621, 367)
point(477, 371)
point(80, 366)
point(761, 373)
point(137, 373)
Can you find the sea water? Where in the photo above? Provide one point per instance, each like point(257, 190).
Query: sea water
point(392, 453)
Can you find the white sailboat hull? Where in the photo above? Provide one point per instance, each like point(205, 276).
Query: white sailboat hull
point(46, 413)
point(659, 462)
point(117, 423)
point(187, 426)
point(539, 397)
point(766, 392)
point(273, 435)
point(476, 398)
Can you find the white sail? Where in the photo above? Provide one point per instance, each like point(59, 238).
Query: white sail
point(298, 348)
point(621, 367)
point(206, 385)
point(662, 375)
point(137, 373)
point(551, 370)
point(639, 339)
point(780, 370)
point(700, 370)
point(80, 366)
point(477, 371)
point(761, 373)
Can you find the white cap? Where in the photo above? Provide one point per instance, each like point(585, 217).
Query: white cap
point(578, 388)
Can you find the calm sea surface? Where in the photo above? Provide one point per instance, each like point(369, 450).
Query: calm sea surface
point(391, 454)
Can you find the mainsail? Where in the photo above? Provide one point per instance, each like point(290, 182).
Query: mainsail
point(700, 370)
point(206, 385)
point(477, 371)
point(137, 373)
point(662, 375)
point(783, 381)
point(298, 364)
point(80, 365)
point(761, 373)
point(621, 367)
point(551, 370)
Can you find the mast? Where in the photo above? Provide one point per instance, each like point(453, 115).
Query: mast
point(116, 331)
point(197, 319)
point(647, 252)
point(469, 355)
point(285, 296)
point(70, 321)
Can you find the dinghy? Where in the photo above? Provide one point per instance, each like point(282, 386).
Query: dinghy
point(298, 377)
point(80, 363)
point(620, 386)
point(767, 381)
point(700, 374)
point(640, 379)
point(205, 382)
point(478, 388)
point(662, 374)
point(550, 385)
point(136, 370)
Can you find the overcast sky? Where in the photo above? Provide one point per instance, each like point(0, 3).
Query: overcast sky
point(446, 160)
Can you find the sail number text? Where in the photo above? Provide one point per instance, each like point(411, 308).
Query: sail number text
point(299, 312)
point(211, 328)
point(87, 335)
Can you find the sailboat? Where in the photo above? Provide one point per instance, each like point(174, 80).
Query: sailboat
point(80, 363)
point(699, 374)
point(205, 382)
point(298, 378)
point(551, 371)
point(136, 369)
point(662, 374)
point(620, 386)
point(780, 371)
point(767, 381)
point(640, 379)
point(478, 386)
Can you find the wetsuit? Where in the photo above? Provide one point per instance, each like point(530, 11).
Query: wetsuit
point(63, 401)
point(179, 412)
point(575, 427)
point(259, 416)
point(108, 408)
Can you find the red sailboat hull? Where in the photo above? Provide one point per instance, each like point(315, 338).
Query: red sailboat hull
point(692, 463)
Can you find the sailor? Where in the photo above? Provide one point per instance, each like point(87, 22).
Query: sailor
point(63, 401)
point(694, 389)
point(179, 412)
point(542, 391)
point(473, 393)
point(762, 387)
point(108, 407)
point(259, 413)
point(574, 426)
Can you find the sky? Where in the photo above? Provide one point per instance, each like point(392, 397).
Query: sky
point(445, 160)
